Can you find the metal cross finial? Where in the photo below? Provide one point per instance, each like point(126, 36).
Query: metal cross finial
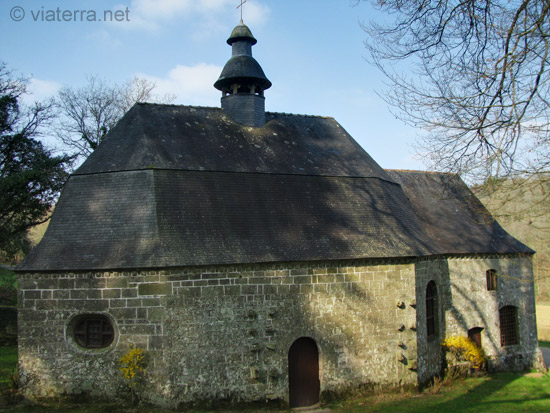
point(241, 7)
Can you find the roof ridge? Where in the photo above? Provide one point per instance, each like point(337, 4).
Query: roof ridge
point(420, 171)
point(298, 114)
point(177, 105)
point(220, 109)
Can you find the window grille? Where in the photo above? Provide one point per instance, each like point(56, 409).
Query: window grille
point(431, 302)
point(508, 326)
point(93, 331)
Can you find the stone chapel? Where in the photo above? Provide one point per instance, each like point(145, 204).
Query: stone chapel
point(259, 256)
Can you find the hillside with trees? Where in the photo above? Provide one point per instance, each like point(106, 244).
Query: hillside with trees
point(522, 208)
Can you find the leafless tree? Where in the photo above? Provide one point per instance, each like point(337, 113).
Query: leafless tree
point(473, 74)
point(88, 113)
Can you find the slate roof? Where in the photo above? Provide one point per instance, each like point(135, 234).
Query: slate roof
point(152, 136)
point(454, 218)
point(178, 185)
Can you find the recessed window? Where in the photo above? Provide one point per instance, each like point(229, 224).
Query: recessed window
point(431, 306)
point(93, 331)
point(508, 326)
point(491, 276)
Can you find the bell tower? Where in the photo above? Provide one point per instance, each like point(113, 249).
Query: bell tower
point(242, 81)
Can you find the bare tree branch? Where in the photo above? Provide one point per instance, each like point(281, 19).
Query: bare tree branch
point(478, 82)
point(88, 113)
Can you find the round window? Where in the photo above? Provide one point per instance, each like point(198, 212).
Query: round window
point(93, 331)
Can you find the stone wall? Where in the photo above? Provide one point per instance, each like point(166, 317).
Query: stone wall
point(465, 303)
point(469, 304)
point(223, 333)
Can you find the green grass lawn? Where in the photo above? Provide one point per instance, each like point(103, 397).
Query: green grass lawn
point(502, 393)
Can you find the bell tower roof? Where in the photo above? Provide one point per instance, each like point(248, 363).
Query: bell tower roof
point(242, 68)
point(241, 32)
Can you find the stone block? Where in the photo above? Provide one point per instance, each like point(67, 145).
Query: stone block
point(233, 290)
point(303, 279)
point(154, 289)
point(66, 283)
point(214, 291)
point(117, 282)
point(94, 293)
point(259, 280)
point(79, 294)
point(324, 279)
point(141, 329)
point(249, 289)
point(46, 304)
point(189, 292)
point(152, 278)
point(133, 302)
point(61, 294)
point(301, 271)
point(47, 284)
point(151, 302)
point(129, 292)
point(210, 276)
point(114, 303)
point(32, 295)
point(155, 314)
point(352, 277)
point(124, 313)
point(83, 283)
point(111, 293)
point(394, 275)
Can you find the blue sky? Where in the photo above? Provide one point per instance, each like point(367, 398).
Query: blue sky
point(312, 51)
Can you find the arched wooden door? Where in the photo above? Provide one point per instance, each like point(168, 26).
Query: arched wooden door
point(303, 373)
point(474, 334)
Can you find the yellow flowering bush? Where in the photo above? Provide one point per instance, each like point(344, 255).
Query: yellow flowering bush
point(465, 349)
point(132, 365)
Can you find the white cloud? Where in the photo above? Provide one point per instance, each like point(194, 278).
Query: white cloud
point(192, 85)
point(39, 89)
